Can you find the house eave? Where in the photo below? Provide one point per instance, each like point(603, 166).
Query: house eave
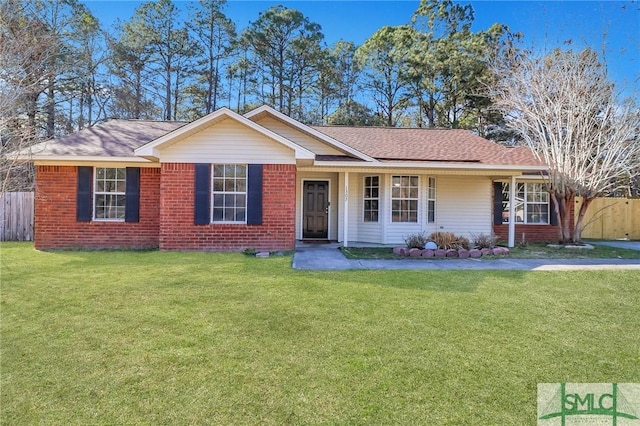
point(430, 165)
point(83, 160)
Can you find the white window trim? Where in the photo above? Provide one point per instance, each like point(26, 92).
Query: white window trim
point(429, 198)
point(525, 204)
point(365, 198)
point(392, 199)
point(245, 192)
point(96, 193)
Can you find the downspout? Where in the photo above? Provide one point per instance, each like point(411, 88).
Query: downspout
point(512, 212)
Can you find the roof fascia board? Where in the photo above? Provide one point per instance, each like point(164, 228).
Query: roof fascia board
point(101, 161)
point(76, 158)
point(428, 165)
point(313, 132)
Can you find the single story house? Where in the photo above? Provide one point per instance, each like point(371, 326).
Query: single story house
point(263, 180)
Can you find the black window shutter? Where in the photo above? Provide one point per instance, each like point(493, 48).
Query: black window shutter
point(202, 194)
point(497, 203)
point(132, 196)
point(254, 194)
point(83, 202)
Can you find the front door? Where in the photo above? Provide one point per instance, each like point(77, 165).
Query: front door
point(315, 209)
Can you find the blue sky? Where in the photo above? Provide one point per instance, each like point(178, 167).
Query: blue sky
point(545, 24)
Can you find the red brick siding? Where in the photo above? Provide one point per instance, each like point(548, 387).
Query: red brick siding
point(528, 233)
point(55, 214)
point(178, 231)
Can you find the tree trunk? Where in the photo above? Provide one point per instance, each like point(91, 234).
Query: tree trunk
point(577, 230)
point(90, 102)
point(561, 207)
point(32, 107)
point(213, 103)
point(168, 93)
point(51, 109)
point(137, 108)
point(565, 218)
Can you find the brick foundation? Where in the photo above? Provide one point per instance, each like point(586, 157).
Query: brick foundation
point(178, 231)
point(56, 226)
point(528, 233)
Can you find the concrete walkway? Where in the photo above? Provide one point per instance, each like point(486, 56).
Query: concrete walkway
point(328, 257)
point(631, 245)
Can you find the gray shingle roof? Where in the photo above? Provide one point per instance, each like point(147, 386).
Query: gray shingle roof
point(114, 138)
point(119, 138)
point(424, 144)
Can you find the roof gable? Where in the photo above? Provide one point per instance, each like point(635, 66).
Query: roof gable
point(335, 144)
point(152, 149)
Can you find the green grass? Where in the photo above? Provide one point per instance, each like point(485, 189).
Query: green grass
point(148, 338)
point(529, 251)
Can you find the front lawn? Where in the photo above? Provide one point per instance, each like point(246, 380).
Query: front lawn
point(147, 338)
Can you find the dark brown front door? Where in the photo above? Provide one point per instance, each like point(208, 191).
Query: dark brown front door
point(315, 209)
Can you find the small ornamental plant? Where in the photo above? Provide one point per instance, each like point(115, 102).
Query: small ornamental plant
point(444, 240)
point(481, 241)
point(418, 240)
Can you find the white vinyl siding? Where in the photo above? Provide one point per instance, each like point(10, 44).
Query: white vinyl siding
point(359, 230)
point(464, 205)
point(294, 135)
point(228, 142)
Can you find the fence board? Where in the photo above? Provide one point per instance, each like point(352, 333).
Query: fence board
point(612, 218)
point(16, 215)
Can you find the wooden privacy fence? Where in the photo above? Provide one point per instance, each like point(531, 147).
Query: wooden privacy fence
point(16, 213)
point(612, 218)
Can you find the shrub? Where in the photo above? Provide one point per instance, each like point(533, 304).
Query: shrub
point(481, 241)
point(462, 243)
point(417, 240)
point(444, 240)
point(448, 241)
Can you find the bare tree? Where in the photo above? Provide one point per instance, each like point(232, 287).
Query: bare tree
point(25, 49)
point(567, 111)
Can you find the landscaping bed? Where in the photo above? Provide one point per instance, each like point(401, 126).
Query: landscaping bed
point(522, 251)
point(474, 253)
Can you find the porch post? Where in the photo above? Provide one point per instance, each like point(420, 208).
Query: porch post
point(345, 212)
point(512, 212)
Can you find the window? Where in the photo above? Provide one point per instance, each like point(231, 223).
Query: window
point(229, 193)
point(531, 203)
point(109, 193)
point(431, 200)
point(404, 198)
point(371, 198)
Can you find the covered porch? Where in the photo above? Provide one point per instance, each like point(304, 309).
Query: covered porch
point(380, 206)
